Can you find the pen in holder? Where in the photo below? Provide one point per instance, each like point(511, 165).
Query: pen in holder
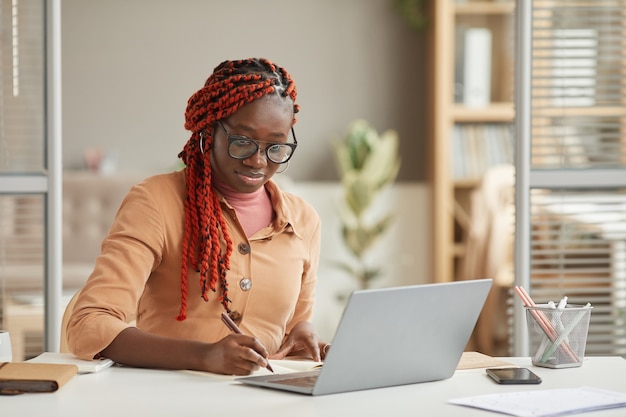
point(558, 336)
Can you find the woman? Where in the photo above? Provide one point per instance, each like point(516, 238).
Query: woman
point(218, 236)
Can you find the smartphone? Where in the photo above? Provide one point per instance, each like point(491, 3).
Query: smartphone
point(513, 376)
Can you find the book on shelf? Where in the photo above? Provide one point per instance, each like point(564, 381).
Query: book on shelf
point(478, 146)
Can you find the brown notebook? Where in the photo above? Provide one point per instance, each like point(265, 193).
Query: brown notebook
point(21, 377)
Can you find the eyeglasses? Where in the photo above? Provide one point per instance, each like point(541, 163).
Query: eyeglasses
point(242, 147)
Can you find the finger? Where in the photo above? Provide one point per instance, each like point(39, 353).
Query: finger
point(310, 345)
point(260, 348)
point(281, 353)
point(253, 343)
point(316, 353)
point(324, 349)
point(245, 361)
point(256, 354)
point(284, 350)
point(243, 368)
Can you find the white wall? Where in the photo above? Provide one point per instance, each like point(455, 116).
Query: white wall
point(129, 67)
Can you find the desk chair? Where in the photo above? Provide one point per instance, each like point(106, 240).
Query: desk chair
point(489, 253)
point(66, 317)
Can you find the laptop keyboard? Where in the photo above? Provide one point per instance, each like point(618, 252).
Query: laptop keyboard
point(302, 381)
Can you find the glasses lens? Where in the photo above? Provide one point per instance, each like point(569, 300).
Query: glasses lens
point(241, 148)
point(278, 153)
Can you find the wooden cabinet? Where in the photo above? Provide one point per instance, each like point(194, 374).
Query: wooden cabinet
point(450, 190)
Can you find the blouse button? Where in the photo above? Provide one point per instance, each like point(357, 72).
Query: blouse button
point(245, 284)
point(244, 248)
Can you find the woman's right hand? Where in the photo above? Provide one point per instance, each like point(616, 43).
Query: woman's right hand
point(236, 354)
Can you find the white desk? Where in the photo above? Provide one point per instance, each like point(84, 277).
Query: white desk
point(117, 392)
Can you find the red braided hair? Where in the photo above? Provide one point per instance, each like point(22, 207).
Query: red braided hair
point(232, 85)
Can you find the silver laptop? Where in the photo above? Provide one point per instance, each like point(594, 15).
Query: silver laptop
point(392, 336)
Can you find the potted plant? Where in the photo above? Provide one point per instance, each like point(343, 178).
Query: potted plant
point(367, 163)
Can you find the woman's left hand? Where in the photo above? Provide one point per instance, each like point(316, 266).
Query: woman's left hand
point(302, 339)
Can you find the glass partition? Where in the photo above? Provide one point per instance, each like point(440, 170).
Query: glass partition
point(24, 172)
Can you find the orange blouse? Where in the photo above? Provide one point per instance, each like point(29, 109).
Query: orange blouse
point(138, 272)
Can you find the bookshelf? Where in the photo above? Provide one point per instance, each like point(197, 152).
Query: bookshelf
point(457, 121)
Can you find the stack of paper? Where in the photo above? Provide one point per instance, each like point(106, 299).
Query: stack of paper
point(84, 366)
point(546, 403)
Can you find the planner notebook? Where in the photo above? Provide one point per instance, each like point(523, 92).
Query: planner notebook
point(22, 377)
point(392, 336)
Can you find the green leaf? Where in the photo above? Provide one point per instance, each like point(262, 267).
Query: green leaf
point(360, 238)
point(383, 163)
point(359, 193)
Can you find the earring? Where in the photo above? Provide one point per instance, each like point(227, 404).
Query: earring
point(286, 165)
point(201, 142)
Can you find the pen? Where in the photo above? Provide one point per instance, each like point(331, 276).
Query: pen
point(235, 329)
point(561, 306)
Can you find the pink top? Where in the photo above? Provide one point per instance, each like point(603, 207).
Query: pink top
point(254, 210)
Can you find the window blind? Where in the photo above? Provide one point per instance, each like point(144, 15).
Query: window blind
point(577, 199)
point(22, 86)
point(577, 84)
point(22, 154)
point(578, 250)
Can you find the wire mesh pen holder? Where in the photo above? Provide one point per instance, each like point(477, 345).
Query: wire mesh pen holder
point(558, 336)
